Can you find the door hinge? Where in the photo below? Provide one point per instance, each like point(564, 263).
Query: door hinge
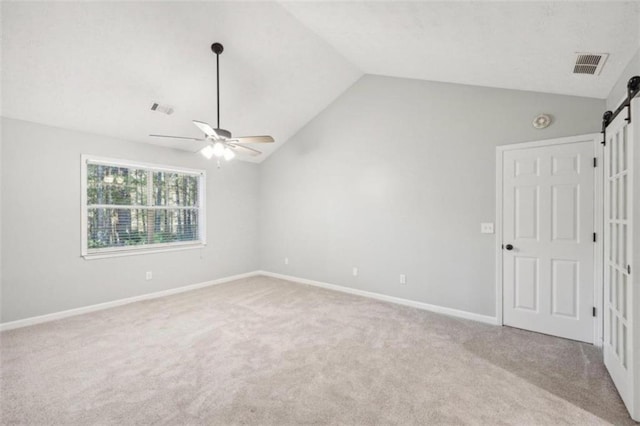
point(593, 311)
point(594, 237)
point(595, 162)
point(629, 269)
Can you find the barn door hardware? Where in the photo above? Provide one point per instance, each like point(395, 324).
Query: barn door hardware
point(633, 88)
point(606, 119)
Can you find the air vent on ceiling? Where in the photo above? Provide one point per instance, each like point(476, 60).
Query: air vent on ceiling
point(165, 109)
point(589, 63)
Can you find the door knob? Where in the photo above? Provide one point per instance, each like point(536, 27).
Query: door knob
point(509, 247)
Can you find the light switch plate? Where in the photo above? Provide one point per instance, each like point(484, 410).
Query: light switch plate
point(486, 228)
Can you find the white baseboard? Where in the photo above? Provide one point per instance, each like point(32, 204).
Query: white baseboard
point(406, 302)
point(92, 308)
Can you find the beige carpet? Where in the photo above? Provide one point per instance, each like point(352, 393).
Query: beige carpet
point(266, 351)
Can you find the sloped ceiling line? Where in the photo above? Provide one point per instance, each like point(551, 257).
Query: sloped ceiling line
point(98, 66)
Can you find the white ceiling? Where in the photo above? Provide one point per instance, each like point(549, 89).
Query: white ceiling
point(97, 67)
point(514, 45)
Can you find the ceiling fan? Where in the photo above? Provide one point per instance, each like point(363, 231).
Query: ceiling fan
point(220, 141)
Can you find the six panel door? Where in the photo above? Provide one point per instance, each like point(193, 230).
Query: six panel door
point(548, 219)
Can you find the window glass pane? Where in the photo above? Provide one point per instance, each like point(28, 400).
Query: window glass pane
point(131, 207)
point(123, 227)
point(116, 185)
point(116, 227)
point(174, 189)
point(174, 225)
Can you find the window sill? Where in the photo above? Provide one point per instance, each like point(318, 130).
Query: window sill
point(136, 252)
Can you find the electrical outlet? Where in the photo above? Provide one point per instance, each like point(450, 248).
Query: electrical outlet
point(355, 271)
point(149, 275)
point(403, 279)
point(486, 228)
point(286, 260)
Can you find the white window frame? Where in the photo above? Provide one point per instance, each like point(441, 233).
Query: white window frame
point(143, 248)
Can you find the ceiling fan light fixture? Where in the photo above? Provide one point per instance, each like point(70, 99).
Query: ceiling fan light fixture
point(229, 154)
point(207, 152)
point(218, 149)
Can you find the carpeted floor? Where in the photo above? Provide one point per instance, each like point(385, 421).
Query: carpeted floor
point(266, 351)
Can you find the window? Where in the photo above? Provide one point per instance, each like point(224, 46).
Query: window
point(134, 208)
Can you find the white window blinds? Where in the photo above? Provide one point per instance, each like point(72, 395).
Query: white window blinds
point(129, 207)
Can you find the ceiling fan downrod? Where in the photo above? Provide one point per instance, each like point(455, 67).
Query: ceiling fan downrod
point(219, 142)
point(217, 48)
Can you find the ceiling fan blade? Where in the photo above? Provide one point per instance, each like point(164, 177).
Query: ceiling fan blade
point(177, 137)
point(252, 139)
point(241, 149)
point(208, 130)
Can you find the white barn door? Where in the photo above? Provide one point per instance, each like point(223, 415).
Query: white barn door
point(619, 292)
point(547, 237)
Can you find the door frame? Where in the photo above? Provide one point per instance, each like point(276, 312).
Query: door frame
point(598, 290)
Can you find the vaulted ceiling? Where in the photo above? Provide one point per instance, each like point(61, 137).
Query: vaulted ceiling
point(97, 67)
point(513, 45)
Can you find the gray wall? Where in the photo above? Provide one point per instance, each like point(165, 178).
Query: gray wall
point(396, 177)
point(42, 271)
point(1, 191)
point(619, 91)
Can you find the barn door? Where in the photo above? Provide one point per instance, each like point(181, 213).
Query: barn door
point(619, 292)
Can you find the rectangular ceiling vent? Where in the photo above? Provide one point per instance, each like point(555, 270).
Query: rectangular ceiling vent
point(589, 63)
point(165, 109)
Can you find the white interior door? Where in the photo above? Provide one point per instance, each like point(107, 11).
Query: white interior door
point(618, 288)
point(548, 244)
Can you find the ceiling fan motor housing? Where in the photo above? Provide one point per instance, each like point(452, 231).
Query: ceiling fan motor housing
point(223, 133)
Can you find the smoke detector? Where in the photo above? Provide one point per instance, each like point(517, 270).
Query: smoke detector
point(165, 109)
point(589, 63)
point(542, 121)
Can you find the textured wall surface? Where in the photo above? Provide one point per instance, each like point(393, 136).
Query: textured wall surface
point(42, 268)
point(395, 177)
